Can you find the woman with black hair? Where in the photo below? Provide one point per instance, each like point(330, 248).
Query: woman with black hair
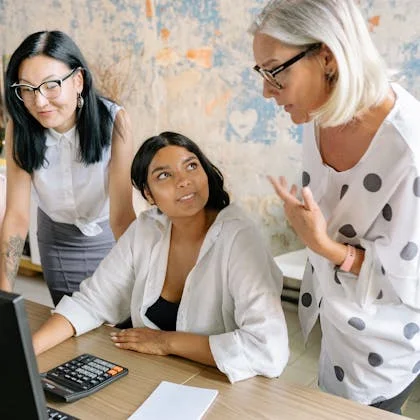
point(193, 272)
point(74, 147)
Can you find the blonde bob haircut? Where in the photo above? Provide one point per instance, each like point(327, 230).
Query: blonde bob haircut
point(362, 81)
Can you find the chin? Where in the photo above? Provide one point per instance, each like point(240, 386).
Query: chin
point(300, 117)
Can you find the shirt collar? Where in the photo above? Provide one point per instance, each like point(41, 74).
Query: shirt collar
point(54, 137)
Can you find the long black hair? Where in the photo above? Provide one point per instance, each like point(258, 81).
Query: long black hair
point(218, 197)
point(94, 122)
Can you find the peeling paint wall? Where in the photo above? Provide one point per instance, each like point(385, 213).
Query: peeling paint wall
point(186, 65)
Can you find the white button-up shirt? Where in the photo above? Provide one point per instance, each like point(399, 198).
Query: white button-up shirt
point(371, 322)
point(232, 294)
point(68, 190)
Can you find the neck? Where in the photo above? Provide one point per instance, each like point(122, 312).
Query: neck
point(372, 118)
point(193, 228)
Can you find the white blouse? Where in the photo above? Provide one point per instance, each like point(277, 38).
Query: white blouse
point(68, 190)
point(232, 294)
point(371, 322)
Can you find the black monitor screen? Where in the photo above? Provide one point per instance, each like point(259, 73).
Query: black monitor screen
point(21, 393)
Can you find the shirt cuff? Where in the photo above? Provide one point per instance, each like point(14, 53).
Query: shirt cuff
point(81, 319)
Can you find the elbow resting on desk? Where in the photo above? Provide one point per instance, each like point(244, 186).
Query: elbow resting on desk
point(241, 356)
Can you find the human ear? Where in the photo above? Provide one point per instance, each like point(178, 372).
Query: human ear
point(149, 196)
point(79, 81)
point(328, 60)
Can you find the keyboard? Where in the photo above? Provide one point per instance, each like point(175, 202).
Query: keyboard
point(54, 414)
point(80, 377)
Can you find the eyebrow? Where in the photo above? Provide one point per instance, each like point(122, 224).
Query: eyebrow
point(271, 62)
point(50, 77)
point(162, 168)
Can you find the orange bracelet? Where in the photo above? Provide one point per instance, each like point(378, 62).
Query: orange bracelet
point(349, 260)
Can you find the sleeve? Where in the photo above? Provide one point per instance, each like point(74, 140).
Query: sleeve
point(106, 296)
point(259, 346)
point(393, 252)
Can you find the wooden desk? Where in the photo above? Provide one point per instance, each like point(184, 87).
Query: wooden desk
point(256, 398)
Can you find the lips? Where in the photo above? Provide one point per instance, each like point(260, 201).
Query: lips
point(186, 197)
point(45, 113)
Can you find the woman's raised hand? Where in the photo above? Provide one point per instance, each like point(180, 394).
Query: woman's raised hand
point(304, 215)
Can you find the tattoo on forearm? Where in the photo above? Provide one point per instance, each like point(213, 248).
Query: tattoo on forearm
point(11, 256)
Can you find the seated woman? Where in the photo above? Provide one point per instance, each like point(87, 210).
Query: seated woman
point(193, 272)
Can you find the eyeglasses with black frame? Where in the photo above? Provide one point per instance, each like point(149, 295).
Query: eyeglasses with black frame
point(50, 89)
point(270, 75)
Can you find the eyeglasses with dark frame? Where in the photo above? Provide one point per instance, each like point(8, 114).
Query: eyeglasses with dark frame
point(270, 75)
point(50, 89)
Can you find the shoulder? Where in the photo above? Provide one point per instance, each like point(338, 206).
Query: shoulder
point(151, 221)
point(404, 118)
point(233, 223)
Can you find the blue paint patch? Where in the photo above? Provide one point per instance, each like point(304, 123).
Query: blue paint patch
point(411, 66)
point(2, 11)
point(74, 23)
point(119, 5)
point(296, 133)
point(218, 57)
point(204, 12)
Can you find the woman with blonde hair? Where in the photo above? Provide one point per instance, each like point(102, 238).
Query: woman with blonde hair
point(358, 211)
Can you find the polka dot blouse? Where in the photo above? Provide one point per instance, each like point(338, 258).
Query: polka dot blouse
point(370, 322)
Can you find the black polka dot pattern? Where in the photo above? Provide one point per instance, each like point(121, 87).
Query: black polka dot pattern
point(410, 330)
point(306, 179)
point(372, 182)
point(416, 367)
point(357, 323)
point(336, 279)
point(344, 189)
point(409, 252)
point(380, 295)
point(348, 231)
point(382, 270)
point(306, 300)
point(387, 212)
point(339, 373)
point(375, 359)
point(416, 187)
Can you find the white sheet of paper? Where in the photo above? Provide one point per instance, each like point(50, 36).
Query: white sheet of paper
point(175, 402)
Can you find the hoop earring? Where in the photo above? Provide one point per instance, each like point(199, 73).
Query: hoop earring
point(80, 101)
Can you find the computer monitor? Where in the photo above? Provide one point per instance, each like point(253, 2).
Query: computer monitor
point(21, 396)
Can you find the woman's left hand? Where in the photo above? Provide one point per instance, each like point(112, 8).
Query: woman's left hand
point(143, 340)
point(305, 216)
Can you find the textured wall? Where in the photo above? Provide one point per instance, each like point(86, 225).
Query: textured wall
point(186, 65)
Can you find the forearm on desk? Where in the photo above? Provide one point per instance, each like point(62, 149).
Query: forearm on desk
point(54, 331)
point(191, 346)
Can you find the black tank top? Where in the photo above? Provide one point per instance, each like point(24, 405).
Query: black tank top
point(163, 314)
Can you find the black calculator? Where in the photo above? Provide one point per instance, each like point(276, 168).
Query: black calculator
point(80, 377)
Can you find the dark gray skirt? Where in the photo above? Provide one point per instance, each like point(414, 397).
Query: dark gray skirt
point(68, 256)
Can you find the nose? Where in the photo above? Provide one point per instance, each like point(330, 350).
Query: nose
point(269, 91)
point(39, 99)
point(183, 181)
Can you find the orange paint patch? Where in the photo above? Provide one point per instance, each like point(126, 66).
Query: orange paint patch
point(201, 56)
point(166, 56)
point(374, 21)
point(217, 102)
point(217, 32)
point(164, 33)
point(149, 9)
